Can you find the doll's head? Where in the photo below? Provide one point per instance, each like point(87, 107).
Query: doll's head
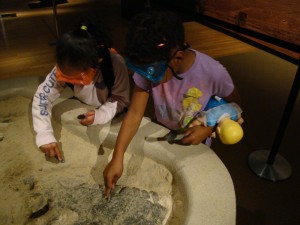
point(229, 131)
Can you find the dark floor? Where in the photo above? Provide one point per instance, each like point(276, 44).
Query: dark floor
point(264, 82)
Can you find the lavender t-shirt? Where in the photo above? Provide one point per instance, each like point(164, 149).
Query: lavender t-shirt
point(177, 101)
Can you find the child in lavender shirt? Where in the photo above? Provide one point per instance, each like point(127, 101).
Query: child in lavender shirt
point(177, 101)
point(181, 81)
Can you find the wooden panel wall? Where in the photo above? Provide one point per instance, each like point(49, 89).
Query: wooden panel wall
point(275, 18)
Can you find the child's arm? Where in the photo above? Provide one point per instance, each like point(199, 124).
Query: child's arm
point(117, 101)
point(119, 98)
point(233, 97)
point(196, 134)
point(46, 93)
point(129, 127)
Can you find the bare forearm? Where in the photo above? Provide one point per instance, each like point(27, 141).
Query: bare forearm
point(127, 131)
point(131, 121)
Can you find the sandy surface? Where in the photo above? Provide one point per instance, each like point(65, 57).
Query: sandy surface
point(26, 176)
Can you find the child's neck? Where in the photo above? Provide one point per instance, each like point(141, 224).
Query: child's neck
point(187, 61)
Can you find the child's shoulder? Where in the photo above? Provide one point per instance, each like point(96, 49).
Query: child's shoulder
point(202, 56)
point(117, 59)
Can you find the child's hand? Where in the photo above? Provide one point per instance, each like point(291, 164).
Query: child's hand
point(195, 122)
point(112, 172)
point(240, 120)
point(87, 118)
point(52, 150)
point(196, 135)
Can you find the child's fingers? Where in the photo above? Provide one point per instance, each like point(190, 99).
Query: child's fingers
point(90, 113)
point(240, 120)
point(195, 123)
point(87, 118)
point(58, 153)
point(86, 122)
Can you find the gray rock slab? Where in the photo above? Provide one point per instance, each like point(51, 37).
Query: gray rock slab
point(126, 206)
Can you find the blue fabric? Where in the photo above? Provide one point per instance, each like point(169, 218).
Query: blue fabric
point(217, 108)
point(214, 103)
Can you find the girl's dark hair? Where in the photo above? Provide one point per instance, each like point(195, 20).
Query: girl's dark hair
point(152, 35)
point(81, 47)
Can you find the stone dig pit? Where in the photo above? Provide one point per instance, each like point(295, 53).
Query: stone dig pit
point(162, 183)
